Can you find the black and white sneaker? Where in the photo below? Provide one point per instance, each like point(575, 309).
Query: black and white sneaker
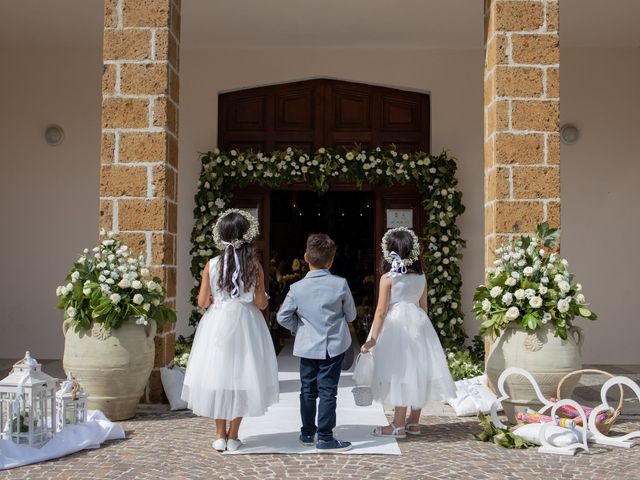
point(307, 440)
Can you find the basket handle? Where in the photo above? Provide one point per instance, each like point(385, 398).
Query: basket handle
point(592, 370)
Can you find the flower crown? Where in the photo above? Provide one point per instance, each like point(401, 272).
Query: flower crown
point(252, 232)
point(415, 249)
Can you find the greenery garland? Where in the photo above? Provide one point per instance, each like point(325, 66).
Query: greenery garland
point(434, 176)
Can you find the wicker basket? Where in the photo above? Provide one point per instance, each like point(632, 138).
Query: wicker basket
point(363, 396)
point(605, 425)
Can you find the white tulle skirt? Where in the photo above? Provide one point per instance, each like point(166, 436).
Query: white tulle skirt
point(409, 363)
point(232, 370)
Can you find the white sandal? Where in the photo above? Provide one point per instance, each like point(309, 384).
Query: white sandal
point(408, 429)
point(397, 432)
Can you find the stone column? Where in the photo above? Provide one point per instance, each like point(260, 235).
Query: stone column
point(139, 154)
point(522, 118)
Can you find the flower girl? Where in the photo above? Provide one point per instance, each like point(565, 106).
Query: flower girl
point(232, 370)
point(410, 368)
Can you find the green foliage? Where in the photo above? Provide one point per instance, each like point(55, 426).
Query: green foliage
point(530, 287)
point(434, 175)
point(500, 436)
point(462, 363)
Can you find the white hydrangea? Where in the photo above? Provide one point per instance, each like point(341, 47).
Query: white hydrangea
point(507, 298)
point(513, 313)
point(535, 302)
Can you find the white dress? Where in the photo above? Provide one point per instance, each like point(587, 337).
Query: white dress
point(410, 368)
point(232, 370)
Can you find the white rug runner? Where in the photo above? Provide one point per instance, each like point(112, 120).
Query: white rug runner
point(278, 430)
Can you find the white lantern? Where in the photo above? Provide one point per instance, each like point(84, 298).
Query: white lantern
point(71, 403)
point(27, 404)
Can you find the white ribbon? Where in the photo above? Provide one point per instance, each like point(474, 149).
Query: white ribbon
point(397, 265)
point(236, 275)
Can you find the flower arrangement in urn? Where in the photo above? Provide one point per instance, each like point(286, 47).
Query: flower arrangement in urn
point(531, 287)
point(109, 286)
point(529, 303)
point(114, 307)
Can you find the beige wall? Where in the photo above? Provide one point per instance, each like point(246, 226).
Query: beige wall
point(601, 194)
point(48, 195)
point(453, 77)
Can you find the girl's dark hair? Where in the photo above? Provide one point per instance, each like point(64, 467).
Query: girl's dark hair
point(401, 243)
point(232, 227)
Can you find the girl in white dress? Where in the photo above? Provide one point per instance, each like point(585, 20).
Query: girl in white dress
point(232, 371)
point(410, 368)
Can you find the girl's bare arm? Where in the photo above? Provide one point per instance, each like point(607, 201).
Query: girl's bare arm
point(260, 296)
point(204, 296)
point(381, 312)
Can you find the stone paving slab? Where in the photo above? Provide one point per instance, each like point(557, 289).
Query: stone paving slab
point(176, 445)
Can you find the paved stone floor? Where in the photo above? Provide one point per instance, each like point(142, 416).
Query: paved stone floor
point(176, 445)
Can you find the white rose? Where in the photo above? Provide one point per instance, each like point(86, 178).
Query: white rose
point(535, 302)
point(543, 289)
point(528, 271)
point(507, 298)
point(558, 278)
point(486, 305)
point(564, 286)
point(124, 283)
point(495, 291)
point(110, 281)
point(115, 298)
point(515, 275)
point(86, 291)
point(102, 278)
point(565, 262)
point(146, 307)
point(75, 276)
point(144, 272)
point(138, 299)
point(519, 294)
point(107, 243)
point(544, 280)
point(546, 317)
point(578, 287)
point(137, 284)
point(580, 298)
point(60, 291)
point(155, 302)
point(513, 313)
point(151, 285)
point(510, 282)
point(563, 306)
point(529, 293)
point(71, 312)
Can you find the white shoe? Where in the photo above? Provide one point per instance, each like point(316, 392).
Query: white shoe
point(219, 444)
point(233, 444)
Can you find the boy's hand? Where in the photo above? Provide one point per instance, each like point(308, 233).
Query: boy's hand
point(369, 344)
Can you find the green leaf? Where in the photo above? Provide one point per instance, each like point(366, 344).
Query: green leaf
point(584, 312)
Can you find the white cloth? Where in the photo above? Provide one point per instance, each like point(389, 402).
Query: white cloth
point(555, 435)
point(410, 366)
point(71, 439)
point(172, 382)
point(472, 396)
point(232, 370)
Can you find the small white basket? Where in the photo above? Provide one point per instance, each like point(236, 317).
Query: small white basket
point(362, 395)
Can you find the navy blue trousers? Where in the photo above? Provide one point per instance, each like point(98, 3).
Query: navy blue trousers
point(319, 380)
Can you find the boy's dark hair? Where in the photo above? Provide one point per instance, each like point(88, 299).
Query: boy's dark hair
point(320, 249)
point(401, 243)
point(232, 227)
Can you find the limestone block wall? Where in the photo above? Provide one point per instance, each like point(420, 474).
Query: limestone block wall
point(522, 118)
point(139, 151)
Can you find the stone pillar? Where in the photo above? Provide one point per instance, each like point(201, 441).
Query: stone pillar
point(139, 154)
point(522, 118)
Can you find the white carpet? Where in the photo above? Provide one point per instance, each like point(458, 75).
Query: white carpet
point(278, 430)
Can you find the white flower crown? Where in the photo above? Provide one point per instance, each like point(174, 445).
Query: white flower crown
point(415, 249)
point(248, 237)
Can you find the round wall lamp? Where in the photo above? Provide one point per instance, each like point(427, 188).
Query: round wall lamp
point(54, 135)
point(569, 134)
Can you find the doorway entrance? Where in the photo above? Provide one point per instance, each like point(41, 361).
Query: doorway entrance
point(348, 217)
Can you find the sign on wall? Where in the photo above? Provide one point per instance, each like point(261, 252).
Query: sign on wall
point(399, 217)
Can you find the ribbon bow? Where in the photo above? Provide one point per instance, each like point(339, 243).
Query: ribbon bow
point(397, 265)
point(235, 292)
